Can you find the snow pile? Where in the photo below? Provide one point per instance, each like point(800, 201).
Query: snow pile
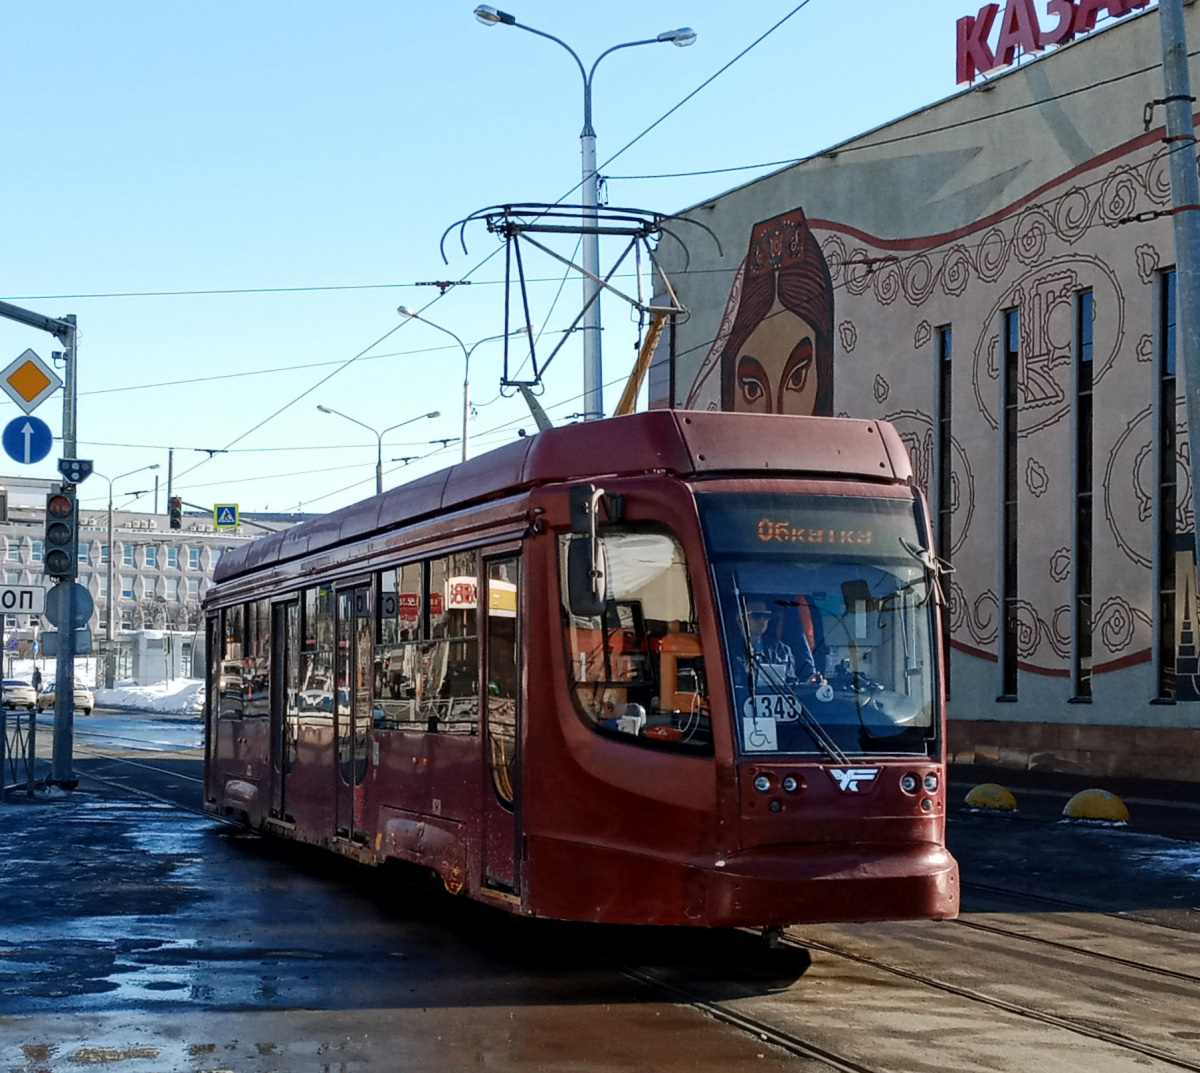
point(183, 696)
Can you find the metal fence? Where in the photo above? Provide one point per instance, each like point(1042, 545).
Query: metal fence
point(18, 751)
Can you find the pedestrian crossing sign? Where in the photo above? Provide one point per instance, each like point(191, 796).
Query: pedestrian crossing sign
point(225, 516)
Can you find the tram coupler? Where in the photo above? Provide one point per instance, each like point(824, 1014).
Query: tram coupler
point(772, 936)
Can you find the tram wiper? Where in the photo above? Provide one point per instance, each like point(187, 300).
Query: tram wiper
point(811, 724)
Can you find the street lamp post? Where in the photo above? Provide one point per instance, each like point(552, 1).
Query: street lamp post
point(110, 661)
point(378, 437)
point(404, 311)
point(593, 380)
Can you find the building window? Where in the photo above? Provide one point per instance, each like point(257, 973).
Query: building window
point(1168, 492)
point(148, 585)
point(13, 550)
point(1010, 376)
point(126, 587)
point(103, 579)
point(193, 558)
point(172, 588)
point(1081, 670)
point(173, 558)
point(36, 554)
point(103, 554)
point(193, 586)
point(12, 577)
point(83, 552)
point(214, 557)
point(127, 554)
point(126, 622)
point(151, 556)
point(944, 479)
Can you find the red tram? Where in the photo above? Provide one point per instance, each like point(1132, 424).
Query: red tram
point(670, 668)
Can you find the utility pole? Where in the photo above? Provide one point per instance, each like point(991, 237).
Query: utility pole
point(1185, 202)
point(61, 765)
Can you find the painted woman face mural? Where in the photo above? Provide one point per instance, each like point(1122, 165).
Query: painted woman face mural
point(775, 344)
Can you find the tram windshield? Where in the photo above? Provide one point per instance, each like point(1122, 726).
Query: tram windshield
point(826, 604)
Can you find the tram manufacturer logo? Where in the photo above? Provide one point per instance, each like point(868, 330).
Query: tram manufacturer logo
point(848, 778)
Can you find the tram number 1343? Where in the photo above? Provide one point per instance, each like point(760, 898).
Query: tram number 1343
point(779, 707)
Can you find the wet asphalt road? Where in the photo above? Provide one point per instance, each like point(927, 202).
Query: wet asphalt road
point(135, 936)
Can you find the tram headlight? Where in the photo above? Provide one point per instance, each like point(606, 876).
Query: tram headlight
point(762, 783)
point(909, 783)
point(931, 783)
point(790, 784)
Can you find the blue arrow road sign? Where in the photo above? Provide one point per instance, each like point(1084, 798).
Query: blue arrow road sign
point(27, 439)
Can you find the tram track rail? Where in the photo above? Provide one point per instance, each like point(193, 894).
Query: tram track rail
point(1070, 905)
point(759, 1029)
point(1081, 951)
point(1103, 1035)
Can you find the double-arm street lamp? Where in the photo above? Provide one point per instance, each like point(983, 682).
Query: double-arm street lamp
point(378, 437)
point(593, 379)
point(404, 311)
point(110, 660)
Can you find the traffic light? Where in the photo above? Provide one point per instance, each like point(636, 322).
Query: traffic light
point(175, 509)
point(61, 536)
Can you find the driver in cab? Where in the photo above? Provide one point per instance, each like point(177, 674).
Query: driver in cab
point(765, 648)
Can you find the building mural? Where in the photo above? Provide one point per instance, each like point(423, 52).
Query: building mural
point(876, 262)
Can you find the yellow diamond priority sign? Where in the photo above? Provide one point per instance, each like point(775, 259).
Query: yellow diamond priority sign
point(29, 381)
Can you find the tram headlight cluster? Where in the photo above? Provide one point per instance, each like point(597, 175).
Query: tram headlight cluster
point(911, 782)
point(790, 783)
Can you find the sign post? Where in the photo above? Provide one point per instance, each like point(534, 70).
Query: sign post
point(29, 383)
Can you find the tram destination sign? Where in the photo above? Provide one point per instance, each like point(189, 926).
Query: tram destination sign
point(22, 599)
point(991, 40)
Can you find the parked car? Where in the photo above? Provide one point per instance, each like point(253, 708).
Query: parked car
point(19, 694)
point(84, 701)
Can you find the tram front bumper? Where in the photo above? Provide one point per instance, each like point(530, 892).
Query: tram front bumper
point(825, 883)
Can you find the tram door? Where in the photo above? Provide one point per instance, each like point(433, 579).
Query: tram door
point(352, 707)
point(502, 726)
point(285, 714)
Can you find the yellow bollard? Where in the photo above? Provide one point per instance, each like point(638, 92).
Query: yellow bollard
point(1096, 805)
point(991, 796)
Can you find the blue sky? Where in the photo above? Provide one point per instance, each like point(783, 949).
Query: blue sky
point(310, 156)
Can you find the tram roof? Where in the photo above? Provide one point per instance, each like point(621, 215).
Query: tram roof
point(683, 443)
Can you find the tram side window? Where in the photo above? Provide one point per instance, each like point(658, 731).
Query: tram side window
point(315, 695)
point(397, 651)
point(426, 658)
point(452, 694)
point(256, 666)
point(636, 672)
point(233, 648)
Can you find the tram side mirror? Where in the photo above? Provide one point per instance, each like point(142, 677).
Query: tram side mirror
point(586, 581)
